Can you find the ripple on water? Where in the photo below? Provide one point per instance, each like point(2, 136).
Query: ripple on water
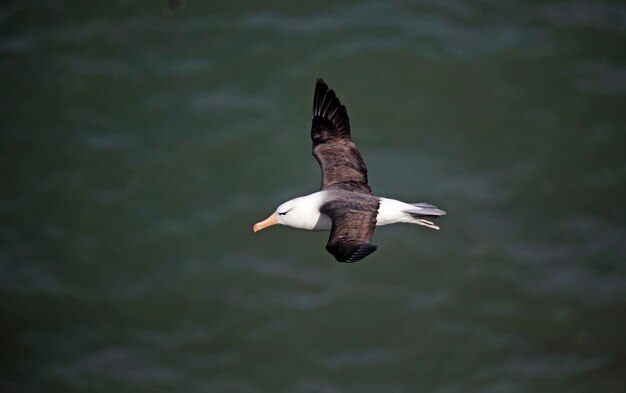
point(369, 357)
point(121, 364)
point(322, 288)
point(549, 366)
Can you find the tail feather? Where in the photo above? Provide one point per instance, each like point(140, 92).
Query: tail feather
point(425, 214)
point(427, 209)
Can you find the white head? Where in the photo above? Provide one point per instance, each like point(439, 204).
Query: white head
point(302, 212)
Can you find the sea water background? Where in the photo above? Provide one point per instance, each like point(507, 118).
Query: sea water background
point(140, 143)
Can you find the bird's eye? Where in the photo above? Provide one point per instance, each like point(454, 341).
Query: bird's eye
point(282, 214)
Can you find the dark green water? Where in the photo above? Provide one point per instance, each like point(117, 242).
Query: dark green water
point(139, 145)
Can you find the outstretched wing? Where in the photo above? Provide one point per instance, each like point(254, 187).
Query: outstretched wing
point(340, 160)
point(352, 228)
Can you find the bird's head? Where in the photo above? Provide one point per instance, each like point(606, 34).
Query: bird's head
point(278, 217)
point(302, 212)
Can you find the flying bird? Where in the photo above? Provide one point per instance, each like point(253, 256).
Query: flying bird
point(345, 204)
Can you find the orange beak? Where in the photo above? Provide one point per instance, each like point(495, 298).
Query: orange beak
point(271, 220)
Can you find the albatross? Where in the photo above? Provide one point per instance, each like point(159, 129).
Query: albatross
point(345, 204)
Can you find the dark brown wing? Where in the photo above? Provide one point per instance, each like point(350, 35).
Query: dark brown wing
point(340, 160)
point(352, 228)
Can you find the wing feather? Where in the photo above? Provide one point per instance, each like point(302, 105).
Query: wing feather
point(340, 160)
point(353, 223)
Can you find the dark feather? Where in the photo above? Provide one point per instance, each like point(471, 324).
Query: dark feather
point(348, 252)
point(427, 211)
point(353, 218)
point(341, 162)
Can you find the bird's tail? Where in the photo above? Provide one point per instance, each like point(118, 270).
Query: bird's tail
point(425, 214)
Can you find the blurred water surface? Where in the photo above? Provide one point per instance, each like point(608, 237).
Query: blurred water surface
point(139, 144)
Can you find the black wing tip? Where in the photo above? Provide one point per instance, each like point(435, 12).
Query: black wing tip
point(351, 253)
point(327, 108)
point(321, 88)
point(323, 99)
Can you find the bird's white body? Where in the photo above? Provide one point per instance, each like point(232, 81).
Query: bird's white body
point(304, 213)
